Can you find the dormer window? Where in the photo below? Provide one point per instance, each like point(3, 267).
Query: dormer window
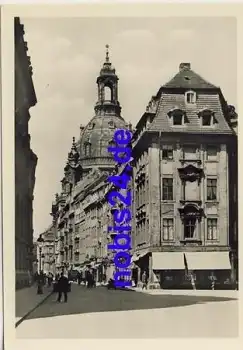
point(111, 124)
point(177, 119)
point(178, 116)
point(91, 126)
point(190, 97)
point(207, 117)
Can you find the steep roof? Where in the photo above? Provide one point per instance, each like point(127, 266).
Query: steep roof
point(169, 101)
point(170, 96)
point(188, 79)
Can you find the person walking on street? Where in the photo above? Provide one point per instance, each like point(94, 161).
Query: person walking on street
point(40, 283)
point(79, 277)
point(49, 278)
point(62, 287)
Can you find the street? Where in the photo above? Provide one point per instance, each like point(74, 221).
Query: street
point(102, 313)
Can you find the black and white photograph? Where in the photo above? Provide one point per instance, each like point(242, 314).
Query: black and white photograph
point(171, 84)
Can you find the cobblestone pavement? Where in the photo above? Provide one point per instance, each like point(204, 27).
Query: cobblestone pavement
point(90, 314)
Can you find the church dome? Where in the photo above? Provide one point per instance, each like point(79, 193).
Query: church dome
point(96, 136)
point(95, 139)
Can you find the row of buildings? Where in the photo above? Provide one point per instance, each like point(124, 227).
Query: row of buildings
point(184, 186)
point(25, 160)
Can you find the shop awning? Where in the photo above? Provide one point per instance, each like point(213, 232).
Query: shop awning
point(168, 261)
point(208, 260)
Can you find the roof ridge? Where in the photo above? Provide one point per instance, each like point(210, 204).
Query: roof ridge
point(188, 78)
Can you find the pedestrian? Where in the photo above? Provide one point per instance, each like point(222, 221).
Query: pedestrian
point(62, 287)
point(50, 278)
point(79, 277)
point(144, 280)
point(40, 283)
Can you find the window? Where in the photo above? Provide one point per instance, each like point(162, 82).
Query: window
point(206, 119)
point(87, 149)
point(91, 126)
point(211, 189)
point(107, 93)
point(111, 124)
point(189, 228)
point(167, 152)
point(167, 189)
point(212, 153)
point(190, 97)
point(212, 225)
point(177, 119)
point(168, 229)
point(178, 116)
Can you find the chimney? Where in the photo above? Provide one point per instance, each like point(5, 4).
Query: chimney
point(184, 66)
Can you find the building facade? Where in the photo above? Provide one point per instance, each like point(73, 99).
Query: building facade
point(46, 258)
point(81, 213)
point(25, 160)
point(185, 186)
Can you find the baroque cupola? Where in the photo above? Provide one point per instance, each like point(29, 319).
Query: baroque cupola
point(96, 136)
point(107, 83)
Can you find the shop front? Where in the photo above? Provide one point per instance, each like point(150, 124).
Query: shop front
point(211, 270)
point(192, 270)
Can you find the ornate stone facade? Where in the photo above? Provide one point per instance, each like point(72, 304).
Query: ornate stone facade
point(25, 160)
point(185, 185)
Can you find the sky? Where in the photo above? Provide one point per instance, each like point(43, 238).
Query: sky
point(67, 54)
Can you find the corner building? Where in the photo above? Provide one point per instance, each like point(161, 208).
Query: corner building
point(25, 160)
point(184, 184)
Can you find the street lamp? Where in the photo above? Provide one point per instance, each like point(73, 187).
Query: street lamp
point(40, 241)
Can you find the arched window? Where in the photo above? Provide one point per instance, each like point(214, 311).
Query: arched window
point(178, 116)
point(87, 149)
point(107, 93)
point(207, 117)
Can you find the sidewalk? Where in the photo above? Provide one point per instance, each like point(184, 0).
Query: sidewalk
point(27, 299)
point(216, 293)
